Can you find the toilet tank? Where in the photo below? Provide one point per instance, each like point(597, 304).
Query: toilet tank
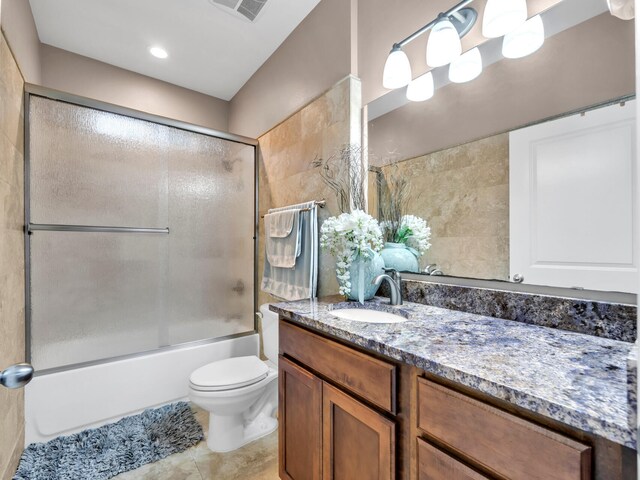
point(269, 333)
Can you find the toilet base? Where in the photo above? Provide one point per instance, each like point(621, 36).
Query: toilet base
point(228, 433)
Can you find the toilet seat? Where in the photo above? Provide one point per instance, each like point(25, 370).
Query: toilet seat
point(229, 374)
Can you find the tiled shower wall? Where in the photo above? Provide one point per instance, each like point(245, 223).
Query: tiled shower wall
point(286, 155)
point(11, 256)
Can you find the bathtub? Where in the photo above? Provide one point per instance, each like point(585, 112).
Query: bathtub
point(66, 402)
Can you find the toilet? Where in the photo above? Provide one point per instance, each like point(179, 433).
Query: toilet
point(240, 393)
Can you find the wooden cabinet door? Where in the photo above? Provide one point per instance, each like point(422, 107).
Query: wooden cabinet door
point(434, 464)
point(358, 442)
point(300, 416)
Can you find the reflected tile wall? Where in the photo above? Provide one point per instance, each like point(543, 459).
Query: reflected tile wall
point(463, 193)
point(11, 256)
point(286, 173)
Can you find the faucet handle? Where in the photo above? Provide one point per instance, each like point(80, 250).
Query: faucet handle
point(393, 273)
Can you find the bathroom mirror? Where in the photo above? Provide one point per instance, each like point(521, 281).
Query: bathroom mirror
point(517, 171)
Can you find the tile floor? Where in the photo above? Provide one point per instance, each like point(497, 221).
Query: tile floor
point(256, 461)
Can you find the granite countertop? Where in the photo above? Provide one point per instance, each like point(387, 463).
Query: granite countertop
point(577, 379)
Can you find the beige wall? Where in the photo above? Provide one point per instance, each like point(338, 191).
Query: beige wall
point(62, 70)
point(286, 174)
point(381, 23)
point(315, 56)
point(463, 193)
point(66, 71)
point(587, 64)
point(21, 34)
point(12, 328)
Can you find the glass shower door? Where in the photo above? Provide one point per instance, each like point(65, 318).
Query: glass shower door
point(100, 294)
point(211, 266)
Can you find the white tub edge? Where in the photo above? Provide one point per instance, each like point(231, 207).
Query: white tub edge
point(71, 401)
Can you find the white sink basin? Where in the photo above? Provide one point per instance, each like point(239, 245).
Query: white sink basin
point(367, 316)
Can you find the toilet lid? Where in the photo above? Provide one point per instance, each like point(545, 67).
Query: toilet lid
point(230, 373)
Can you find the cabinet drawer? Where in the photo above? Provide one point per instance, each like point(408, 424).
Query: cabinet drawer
point(372, 379)
point(502, 443)
point(434, 464)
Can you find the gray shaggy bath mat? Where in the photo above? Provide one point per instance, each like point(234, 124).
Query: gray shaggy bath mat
point(104, 452)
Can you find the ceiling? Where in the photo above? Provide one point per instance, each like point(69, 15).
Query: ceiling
point(210, 50)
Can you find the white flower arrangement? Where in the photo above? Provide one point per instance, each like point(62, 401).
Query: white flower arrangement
point(413, 232)
point(346, 237)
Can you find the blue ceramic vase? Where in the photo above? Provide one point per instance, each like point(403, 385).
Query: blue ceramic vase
point(399, 257)
point(370, 268)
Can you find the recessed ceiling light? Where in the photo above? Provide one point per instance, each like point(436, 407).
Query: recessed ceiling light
point(158, 52)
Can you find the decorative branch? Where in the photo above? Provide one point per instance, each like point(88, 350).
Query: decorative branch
point(343, 172)
point(394, 190)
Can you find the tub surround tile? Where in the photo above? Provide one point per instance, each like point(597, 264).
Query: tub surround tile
point(580, 380)
point(11, 167)
point(286, 172)
point(11, 255)
point(614, 321)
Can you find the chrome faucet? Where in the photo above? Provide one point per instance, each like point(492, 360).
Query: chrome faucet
point(394, 280)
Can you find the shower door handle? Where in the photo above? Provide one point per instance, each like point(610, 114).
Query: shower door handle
point(16, 376)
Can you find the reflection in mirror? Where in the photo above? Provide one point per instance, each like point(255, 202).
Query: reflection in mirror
point(526, 173)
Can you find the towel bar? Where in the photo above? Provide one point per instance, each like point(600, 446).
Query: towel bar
point(319, 203)
point(32, 227)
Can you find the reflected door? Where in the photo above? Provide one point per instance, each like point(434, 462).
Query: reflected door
point(573, 211)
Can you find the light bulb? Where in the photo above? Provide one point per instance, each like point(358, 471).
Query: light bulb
point(525, 40)
point(444, 44)
point(158, 52)
point(421, 89)
point(466, 67)
point(397, 69)
point(503, 16)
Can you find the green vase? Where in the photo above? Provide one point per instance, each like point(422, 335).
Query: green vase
point(400, 258)
point(371, 268)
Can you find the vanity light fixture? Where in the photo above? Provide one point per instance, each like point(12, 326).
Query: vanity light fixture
point(503, 16)
point(522, 37)
point(397, 69)
point(466, 67)
point(443, 45)
point(421, 89)
point(158, 52)
point(525, 40)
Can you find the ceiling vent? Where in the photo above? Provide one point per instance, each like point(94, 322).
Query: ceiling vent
point(245, 9)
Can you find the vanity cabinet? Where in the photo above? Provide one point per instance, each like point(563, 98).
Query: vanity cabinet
point(334, 409)
point(346, 414)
